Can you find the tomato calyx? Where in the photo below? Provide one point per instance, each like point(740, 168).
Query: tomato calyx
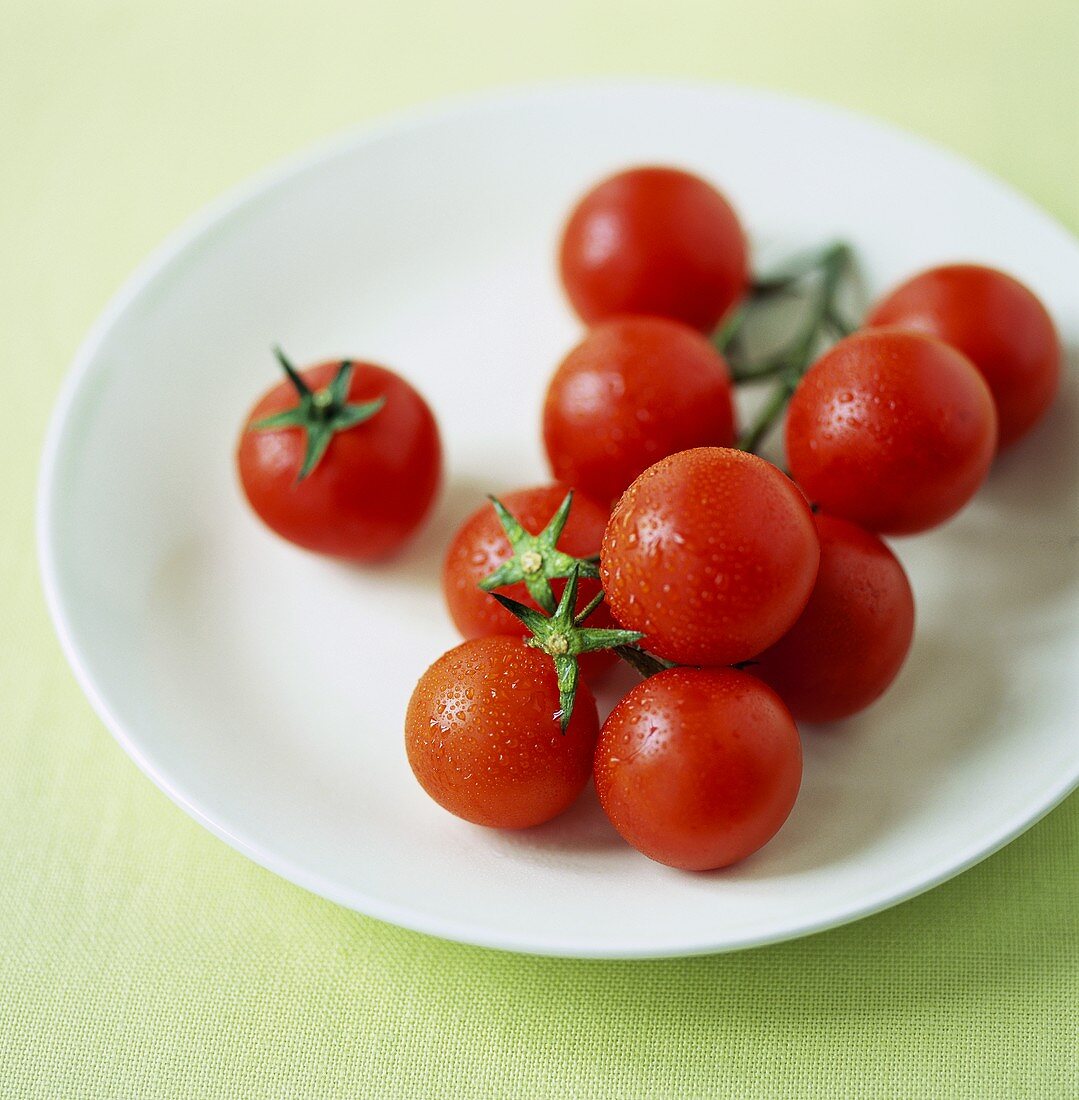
point(320, 413)
point(536, 559)
point(562, 637)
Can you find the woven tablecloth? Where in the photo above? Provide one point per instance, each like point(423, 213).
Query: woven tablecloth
point(141, 957)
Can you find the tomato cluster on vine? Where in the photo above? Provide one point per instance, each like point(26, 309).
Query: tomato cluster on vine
point(749, 595)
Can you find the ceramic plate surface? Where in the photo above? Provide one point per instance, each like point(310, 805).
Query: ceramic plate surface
point(263, 688)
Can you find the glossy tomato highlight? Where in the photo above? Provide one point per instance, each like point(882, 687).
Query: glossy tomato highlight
point(892, 430)
point(850, 642)
point(483, 738)
point(634, 390)
point(712, 553)
point(698, 768)
point(656, 241)
point(373, 485)
point(997, 323)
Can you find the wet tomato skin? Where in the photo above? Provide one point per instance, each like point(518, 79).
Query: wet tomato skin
point(482, 735)
point(892, 430)
point(698, 768)
point(997, 323)
point(480, 546)
point(712, 553)
point(373, 487)
point(634, 390)
point(654, 240)
point(851, 640)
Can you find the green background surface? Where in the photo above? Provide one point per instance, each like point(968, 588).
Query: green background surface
point(141, 957)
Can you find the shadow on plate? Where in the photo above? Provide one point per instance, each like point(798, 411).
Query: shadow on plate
point(420, 562)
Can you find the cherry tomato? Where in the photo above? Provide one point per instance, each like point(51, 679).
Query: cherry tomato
point(483, 739)
point(480, 546)
point(658, 241)
point(891, 429)
point(1002, 328)
point(712, 553)
point(854, 634)
point(634, 390)
point(376, 480)
point(698, 768)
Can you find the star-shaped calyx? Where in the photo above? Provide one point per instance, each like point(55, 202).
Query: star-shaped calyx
point(321, 413)
point(536, 559)
point(562, 637)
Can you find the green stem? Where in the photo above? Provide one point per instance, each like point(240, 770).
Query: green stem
point(770, 412)
point(797, 358)
point(320, 413)
point(768, 367)
point(587, 610)
point(794, 270)
point(783, 281)
point(840, 325)
point(647, 664)
point(294, 375)
point(728, 332)
point(563, 639)
point(536, 559)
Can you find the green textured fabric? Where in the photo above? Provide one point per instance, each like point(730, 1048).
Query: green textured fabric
point(141, 957)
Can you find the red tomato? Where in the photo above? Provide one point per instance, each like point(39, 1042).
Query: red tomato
point(480, 547)
point(373, 486)
point(891, 429)
point(482, 735)
point(698, 768)
point(712, 553)
point(654, 240)
point(997, 323)
point(853, 636)
point(634, 390)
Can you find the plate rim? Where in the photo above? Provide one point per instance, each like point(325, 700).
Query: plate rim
point(85, 364)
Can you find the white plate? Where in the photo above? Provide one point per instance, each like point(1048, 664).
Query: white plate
point(263, 689)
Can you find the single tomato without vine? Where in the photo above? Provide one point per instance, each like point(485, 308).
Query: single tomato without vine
point(892, 430)
point(850, 642)
point(343, 459)
point(712, 554)
point(997, 323)
point(634, 390)
point(658, 241)
point(698, 768)
point(483, 738)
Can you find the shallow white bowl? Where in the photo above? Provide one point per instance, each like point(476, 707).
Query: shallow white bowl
point(263, 688)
